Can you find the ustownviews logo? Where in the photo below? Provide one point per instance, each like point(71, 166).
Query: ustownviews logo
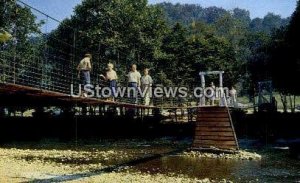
point(96, 91)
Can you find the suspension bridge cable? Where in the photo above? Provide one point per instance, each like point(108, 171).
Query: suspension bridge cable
point(74, 29)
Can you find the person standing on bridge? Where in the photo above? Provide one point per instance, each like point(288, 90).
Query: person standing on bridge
point(134, 81)
point(84, 68)
point(112, 77)
point(233, 97)
point(213, 97)
point(146, 86)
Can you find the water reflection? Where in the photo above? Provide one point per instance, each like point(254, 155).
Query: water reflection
point(234, 170)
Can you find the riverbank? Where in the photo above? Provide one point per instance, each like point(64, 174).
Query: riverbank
point(139, 160)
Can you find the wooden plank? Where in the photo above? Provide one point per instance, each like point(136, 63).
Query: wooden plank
point(213, 129)
point(234, 146)
point(212, 115)
point(197, 145)
point(223, 147)
point(200, 120)
point(220, 138)
point(213, 112)
point(215, 142)
point(213, 124)
point(211, 109)
point(198, 133)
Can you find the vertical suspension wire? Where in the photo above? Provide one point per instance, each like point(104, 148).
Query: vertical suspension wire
point(47, 77)
point(76, 125)
point(99, 63)
point(72, 73)
point(44, 82)
point(15, 9)
point(73, 56)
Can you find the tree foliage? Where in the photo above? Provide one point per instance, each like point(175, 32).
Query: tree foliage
point(175, 41)
point(126, 32)
point(119, 31)
point(19, 27)
point(284, 56)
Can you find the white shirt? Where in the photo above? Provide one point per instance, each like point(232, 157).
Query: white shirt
point(111, 75)
point(134, 77)
point(232, 92)
point(146, 80)
point(85, 64)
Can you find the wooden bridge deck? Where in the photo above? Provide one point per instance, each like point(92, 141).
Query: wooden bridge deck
point(35, 95)
point(213, 127)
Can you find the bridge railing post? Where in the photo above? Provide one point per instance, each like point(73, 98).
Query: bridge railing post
point(202, 99)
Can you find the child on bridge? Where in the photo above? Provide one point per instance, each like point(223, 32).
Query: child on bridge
point(84, 68)
point(112, 77)
point(146, 86)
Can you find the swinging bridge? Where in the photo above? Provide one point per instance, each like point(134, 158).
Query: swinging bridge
point(39, 80)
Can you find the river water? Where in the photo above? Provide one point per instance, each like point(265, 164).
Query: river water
point(128, 156)
point(274, 167)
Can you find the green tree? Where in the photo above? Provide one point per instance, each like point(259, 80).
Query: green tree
point(20, 24)
point(293, 40)
point(257, 66)
point(174, 45)
point(285, 60)
point(210, 52)
point(121, 31)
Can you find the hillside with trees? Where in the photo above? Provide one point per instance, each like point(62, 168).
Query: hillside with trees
point(188, 13)
point(188, 38)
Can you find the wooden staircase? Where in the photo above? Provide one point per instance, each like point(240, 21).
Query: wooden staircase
point(214, 129)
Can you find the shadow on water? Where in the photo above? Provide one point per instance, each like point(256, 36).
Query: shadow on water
point(107, 169)
point(266, 170)
point(274, 167)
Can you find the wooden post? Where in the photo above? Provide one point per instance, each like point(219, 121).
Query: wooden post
point(122, 111)
point(220, 73)
point(189, 113)
point(84, 110)
point(175, 111)
point(223, 98)
point(2, 112)
point(202, 99)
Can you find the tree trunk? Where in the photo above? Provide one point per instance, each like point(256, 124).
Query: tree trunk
point(284, 102)
point(293, 103)
point(2, 112)
point(254, 104)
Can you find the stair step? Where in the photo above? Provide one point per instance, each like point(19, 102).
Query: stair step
point(214, 128)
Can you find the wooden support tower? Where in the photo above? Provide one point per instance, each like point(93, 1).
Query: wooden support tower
point(214, 129)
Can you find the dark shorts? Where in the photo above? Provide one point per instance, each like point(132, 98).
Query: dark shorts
point(132, 84)
point(113, 87)
point(134, 97)
point(85, 77)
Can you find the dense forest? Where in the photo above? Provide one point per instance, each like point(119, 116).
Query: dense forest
point(188, 13)
point(175, 41)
